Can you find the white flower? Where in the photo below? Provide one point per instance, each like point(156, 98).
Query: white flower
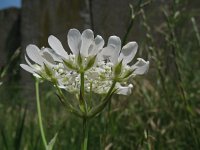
point(48, 65)
point(41, 60)
point(33, 53)
point(84, 44)
point(113, 53)
point(101, 66)
point(113, 64)
point(140, 67)
point(124, 90)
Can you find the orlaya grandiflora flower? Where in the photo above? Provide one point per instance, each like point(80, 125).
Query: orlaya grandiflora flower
point(41, 58)
point(56, 64)
point(84, 48)
point(100, 65)
point(47, 65)
point(113, 63)
point(114, 54)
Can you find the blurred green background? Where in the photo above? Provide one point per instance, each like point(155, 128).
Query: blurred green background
point(162, 113)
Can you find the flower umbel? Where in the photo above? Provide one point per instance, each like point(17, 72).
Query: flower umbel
point(113, 65)
point(101, 65)
point(89, 68)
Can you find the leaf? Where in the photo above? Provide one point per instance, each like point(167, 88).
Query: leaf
point(20, 130)
point(4, 140)
point(52, 142)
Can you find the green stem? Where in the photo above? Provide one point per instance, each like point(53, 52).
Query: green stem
point(39, 114)
point(91, 15)
point(85, 119)
point(102, 105)
point(82, 83)
point(82, 93)
point(69, 107)
point(129, 26)
point(108, 121)
point(90, 97)
point(85, 134)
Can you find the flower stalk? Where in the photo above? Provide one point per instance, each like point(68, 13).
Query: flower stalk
point(69, 107)
point(83, 103)
point(85, 134)
point(39, 114)
point(85, 119)
point(96, 110)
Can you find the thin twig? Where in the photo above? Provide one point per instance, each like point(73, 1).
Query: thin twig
point(91, 14)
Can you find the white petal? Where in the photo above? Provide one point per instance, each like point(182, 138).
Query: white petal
point(116, 42)
point(128, 52)
point(56, 45)
point(47, 56)
point(108, 53)
point(96, 46)
point(54, 55)
point(33, 53)
point(28, 62)
point(124, 90)
point(87, 38)
point(99, 42)
point(74, 40)
point(27, 68)
point(140, 67)
point(62, 86)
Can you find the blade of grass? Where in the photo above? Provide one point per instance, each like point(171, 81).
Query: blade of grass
point(4, 140)
point(20, 129)
point(196, 29)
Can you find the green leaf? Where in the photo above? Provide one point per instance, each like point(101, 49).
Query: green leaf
point(52, 142)
point(5, 140)
point(20, 130)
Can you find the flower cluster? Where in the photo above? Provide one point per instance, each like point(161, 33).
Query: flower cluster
point(100, 65)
